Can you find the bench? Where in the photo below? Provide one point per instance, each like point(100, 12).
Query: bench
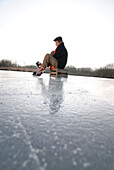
point(56, 72)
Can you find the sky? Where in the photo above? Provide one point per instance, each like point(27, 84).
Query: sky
point(28, 28)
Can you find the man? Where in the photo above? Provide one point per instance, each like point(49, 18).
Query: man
point(57, 58)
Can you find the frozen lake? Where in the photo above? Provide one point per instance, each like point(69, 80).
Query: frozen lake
point(56, 123)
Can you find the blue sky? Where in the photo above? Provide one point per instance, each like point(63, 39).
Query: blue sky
point(27, 30)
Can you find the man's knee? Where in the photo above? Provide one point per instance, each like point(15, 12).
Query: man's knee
point(46, 56)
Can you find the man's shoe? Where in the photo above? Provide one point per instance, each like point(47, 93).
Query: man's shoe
point(38, 64)
point(39, 74)
point(40, 71)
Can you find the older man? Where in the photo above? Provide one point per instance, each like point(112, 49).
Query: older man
point(57, 58)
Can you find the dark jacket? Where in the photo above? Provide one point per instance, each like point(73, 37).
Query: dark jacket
point(61, 55)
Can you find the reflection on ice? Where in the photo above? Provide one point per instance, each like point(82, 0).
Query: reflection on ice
point(53, 93)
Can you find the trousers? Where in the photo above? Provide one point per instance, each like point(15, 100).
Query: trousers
point(49, 60)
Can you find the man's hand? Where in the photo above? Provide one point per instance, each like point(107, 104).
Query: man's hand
point(52, 53)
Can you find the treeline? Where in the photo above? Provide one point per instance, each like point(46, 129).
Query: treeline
point(107, 71)
point(9, 63)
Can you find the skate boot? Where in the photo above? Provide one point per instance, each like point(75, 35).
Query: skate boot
point(40, 71)
point(38, 64)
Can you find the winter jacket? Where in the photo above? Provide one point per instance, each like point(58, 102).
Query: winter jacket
point(61, 55)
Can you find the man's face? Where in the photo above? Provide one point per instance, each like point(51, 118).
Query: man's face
point(57, 43)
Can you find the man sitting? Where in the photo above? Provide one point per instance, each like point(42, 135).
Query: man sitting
point(57, 58)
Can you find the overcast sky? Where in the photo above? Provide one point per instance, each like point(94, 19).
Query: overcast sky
point(28, 27)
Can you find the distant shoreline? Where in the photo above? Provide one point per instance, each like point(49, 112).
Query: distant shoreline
point(102, 72)
point(17, 69)
point(32, 70)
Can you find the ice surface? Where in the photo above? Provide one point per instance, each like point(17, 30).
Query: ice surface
point(56, 123)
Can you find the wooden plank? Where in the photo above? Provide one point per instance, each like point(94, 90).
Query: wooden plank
point(55, 72)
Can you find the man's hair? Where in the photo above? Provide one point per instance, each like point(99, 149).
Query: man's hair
point(59, 39)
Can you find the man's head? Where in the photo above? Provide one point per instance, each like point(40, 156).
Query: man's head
point(58, 41)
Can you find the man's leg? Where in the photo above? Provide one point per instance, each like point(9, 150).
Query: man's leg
point(49, 60)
